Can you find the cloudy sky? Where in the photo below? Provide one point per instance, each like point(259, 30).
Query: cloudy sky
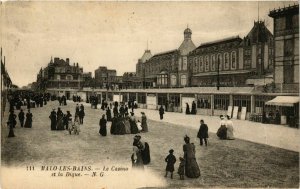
point(114, 34)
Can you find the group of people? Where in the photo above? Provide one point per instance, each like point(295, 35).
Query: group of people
point(76, 98)
point(59, 120)
point(121, 125)
point(188, 165)
point(12, 122)
point(225, 131)
point(62, 100)
point(193, 110)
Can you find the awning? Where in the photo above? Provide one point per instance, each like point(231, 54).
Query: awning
point(283, 101)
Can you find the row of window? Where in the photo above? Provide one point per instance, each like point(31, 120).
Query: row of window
point(214, 62)
point(163, 80)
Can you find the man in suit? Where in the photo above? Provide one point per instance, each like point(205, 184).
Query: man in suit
point(203, 133)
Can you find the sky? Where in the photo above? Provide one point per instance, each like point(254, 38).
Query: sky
point(115, 34)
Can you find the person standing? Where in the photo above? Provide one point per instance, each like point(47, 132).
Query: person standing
point(171, 160)
point(68, 118)
point(81, 114)
point(222, 131)
point(187, 110)
point(181, 168)
point(21, 116)
point(144, 122)
point(28, 122)
point(77, 110)
point(229, 126)
point(161, 112)
point(203, 133)
point(108, 114)
point(133, 127)
point(59, 121)
point(12, 119)
point(191, 166)
point(53, 119)
point(194, 110)
point(102, 124)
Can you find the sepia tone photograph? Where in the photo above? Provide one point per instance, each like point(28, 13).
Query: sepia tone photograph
point(149, 94)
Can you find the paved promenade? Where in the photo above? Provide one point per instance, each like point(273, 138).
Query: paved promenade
point(269, 134)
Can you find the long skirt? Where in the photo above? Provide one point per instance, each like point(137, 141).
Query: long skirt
point(191, 168)
point(102, 130)
point(53, 125)
point(127, 127)
point(146, 154)
point(28, 123)
point(60, 125)
point(133, 127)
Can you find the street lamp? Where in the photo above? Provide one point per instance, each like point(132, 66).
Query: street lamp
point(218, 73)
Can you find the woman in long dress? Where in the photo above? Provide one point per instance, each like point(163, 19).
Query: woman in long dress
point(191, 166)
point(108, 114)
point(229, 126)
point(144, 122)
point(127, 125)
point(59, 123)
point(28, 122)
point(133, 127)
point(136, 157)
point(102, 124)
point(53, 119)
point(222, 131)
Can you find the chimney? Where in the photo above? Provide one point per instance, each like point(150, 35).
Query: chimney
point(68, 60)
point(77, 64)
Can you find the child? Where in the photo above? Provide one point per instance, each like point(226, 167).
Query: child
point(181, 168)
point(170, 159)
point(139, 125)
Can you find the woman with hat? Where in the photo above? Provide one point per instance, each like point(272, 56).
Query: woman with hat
point(222, 131)
point(102, 124)
point(144, 122)
point(136, 157)
point(191, 166)
point(53, 119)
point(28, 122)
point(133, 127)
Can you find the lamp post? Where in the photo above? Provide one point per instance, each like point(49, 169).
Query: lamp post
point(144, 82)
point(218, 74)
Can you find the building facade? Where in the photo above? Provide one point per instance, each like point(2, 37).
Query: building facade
point(105, 77)
point(286, 33)
point(166, 69)
point(60, 75)
point(232, 61)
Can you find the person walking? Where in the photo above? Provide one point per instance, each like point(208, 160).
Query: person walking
point(81, 114)
point(21, 116)
point(102, 124)
point(161, 112)
point(229, 126)
point(144, 122)
point(12, 119)
point(53, 119)
point(187, 110)
point(203, 133)
point(28, 122)
point(222, 131)
point(171, 160)
point(191, 166)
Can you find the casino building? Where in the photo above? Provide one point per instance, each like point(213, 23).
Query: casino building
point(232, 61)
point(166, 69)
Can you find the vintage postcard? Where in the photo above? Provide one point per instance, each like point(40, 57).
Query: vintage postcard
point(149, 94)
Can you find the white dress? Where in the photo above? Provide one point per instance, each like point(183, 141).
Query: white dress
point(229, 126)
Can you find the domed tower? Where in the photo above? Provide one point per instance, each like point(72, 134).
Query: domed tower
point(187, 45)
point(187, 34)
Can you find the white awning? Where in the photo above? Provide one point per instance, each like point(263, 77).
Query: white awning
point(283, 101)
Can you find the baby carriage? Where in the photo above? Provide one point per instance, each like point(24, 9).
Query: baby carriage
point(74, 128)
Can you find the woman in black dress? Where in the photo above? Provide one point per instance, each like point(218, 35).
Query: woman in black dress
point(102, 124)
point(28, 122)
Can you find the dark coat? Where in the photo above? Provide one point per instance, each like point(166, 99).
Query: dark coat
point(102, 124)
point(170, 159)
point(161, 110)
point(203, 131)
